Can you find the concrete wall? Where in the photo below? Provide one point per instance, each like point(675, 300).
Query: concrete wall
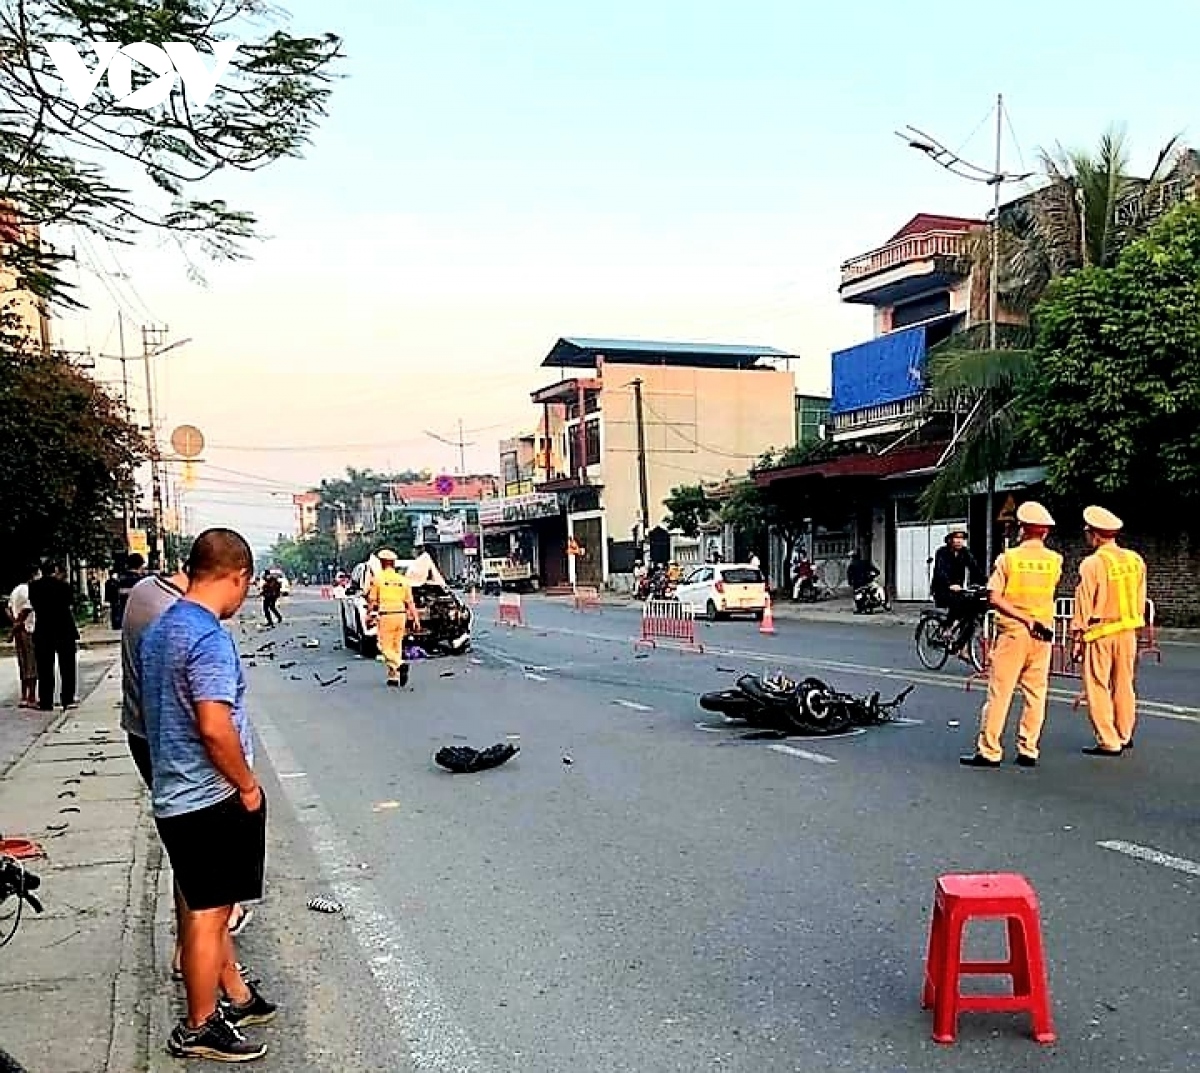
point(700, 425)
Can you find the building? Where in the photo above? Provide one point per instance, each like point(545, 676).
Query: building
point(29, 328)
point(522, 459)
point(626, 421)
point(812, 418)
point(922, 286)
point(447, 522)
point(307, 505)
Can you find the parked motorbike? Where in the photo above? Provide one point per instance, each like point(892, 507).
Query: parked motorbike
point(871, 598)
point(655, 586)
point(809, 706)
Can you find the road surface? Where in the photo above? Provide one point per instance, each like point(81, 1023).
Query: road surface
point(678, 898)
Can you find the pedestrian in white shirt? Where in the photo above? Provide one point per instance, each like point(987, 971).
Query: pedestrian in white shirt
point(20, 611)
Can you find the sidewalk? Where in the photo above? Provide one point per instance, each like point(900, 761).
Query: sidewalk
point(73, 981)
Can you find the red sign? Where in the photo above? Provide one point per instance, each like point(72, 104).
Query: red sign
point(445, 485)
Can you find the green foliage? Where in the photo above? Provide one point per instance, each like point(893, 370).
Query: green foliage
point(1114, 406)
point(117, 172)
point(983, 384)
point(67, 457)
point(308, 556)
point(689, 508)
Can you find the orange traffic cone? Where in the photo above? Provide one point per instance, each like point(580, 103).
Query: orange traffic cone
point(768, 618)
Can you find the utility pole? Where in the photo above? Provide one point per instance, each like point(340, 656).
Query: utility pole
point(643, 487)
point(125, 398)
point(462, 450)
point(995, 177)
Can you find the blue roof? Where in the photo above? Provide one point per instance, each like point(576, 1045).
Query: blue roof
point(578, 352)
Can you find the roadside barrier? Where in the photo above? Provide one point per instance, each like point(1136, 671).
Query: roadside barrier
point(1062, 657)
point(1148, 635)
point(670, 622)
point(587, 599)
point(508, 610)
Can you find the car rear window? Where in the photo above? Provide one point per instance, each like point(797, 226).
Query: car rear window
point(745, 576)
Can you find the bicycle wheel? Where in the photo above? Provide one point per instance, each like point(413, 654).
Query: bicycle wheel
point(974, 648)
point(932, 651)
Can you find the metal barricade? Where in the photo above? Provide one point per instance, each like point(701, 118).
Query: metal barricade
point(509, 611)
point(671, 622)
point(1148, 635)
point(587, 598)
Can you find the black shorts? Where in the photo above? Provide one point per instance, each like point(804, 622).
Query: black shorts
point(218, 854)
point(139, 749)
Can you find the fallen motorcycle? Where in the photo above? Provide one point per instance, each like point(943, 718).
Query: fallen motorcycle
point(809, 706)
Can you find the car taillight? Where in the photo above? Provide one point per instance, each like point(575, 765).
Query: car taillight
point(720, 586)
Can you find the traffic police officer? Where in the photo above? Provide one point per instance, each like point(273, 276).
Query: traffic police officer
point(1021, 590)
point(390, 602)
point(1110, 604)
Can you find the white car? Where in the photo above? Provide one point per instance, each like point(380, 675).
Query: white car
point(719, 590)
point(357, 632)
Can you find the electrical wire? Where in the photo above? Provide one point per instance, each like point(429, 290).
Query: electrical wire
point(743, 455)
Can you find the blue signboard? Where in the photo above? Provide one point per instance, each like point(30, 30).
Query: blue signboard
point(888, 369)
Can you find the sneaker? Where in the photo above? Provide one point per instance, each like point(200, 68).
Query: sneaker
point(216, 1040)
point(258, 1011)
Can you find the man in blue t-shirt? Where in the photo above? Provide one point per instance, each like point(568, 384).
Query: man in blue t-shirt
point(208, 806)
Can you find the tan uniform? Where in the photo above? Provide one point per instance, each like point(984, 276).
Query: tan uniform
point(391, 595)
point(1110, 604)
point(1027, 576)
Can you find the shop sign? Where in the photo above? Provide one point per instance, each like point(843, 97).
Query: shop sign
point(451, 530)
point(517, 509)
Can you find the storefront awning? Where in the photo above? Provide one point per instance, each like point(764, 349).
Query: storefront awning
point(861, 466)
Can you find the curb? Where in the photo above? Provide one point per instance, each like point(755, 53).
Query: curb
point(134, 986)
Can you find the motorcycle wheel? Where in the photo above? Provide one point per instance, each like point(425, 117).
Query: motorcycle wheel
point(821, 712)
point(931, 650)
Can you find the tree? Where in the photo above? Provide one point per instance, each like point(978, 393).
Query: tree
point(1114, 407)
point(117, 172)
point(689, 507)
point(1091, 208)
point(67, 458)
point(985, 384)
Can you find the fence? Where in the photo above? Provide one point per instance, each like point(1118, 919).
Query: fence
point(1062, 655)
point(670, 622)
point(587, 598)
point(509, 611)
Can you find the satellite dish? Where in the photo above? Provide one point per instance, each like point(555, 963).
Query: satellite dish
point(187, 441)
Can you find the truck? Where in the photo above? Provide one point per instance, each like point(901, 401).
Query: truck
point(503, 575)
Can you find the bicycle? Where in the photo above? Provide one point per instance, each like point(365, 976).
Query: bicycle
point(16, 881)
point(934, 647)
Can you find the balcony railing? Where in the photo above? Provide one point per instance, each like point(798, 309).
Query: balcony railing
point(905, 251)
point(881, 414)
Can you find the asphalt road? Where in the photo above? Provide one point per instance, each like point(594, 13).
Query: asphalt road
point(679, 898)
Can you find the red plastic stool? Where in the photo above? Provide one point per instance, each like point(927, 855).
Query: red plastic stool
point(960, 899)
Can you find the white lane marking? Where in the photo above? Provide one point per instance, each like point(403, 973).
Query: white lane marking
point(293, 775)
point(535, 677)
point(1144, 853)
point(803, 754)
point(429, 1033)
point(633, 706)
point(1158, 709)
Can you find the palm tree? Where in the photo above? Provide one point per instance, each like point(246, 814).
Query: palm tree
point(1091, 207)
point(1089, 210)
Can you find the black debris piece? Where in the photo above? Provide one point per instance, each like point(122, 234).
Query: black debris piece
point(568, 761)
point(287, 666)
point(296, 677)
point(463, 760)
point(269, 644)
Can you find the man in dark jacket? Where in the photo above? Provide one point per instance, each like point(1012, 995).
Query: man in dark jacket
point(56, 637)
point(954, 567)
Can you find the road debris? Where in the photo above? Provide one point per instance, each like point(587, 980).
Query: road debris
point(463, 760)
point(332, 681)
point(312, 642)
point(385, 806)
point(321, 904)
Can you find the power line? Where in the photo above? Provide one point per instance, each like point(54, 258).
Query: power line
point(742, 455)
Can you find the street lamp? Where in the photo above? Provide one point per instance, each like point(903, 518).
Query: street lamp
point(994, 177)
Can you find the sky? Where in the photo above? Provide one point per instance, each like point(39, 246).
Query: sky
point(495, 175)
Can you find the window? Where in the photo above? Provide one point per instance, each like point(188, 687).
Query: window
point(742, 576)
point(591, 433)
